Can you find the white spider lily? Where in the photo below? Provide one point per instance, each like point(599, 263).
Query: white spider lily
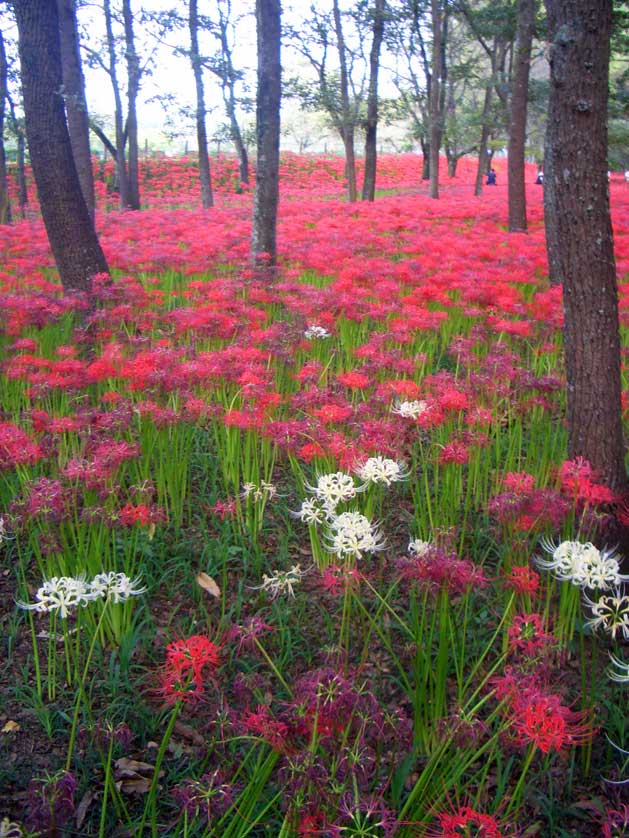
point(584, 565)
point(621, 672)
point(310, 512)
point(610, 612)
point(60, 593)
point(382, 470)
point(410, 409)
point(317, 332)
point(334, 488)
point(353, 535)
point(281, 581)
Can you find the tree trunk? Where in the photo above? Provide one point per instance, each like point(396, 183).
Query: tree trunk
point(74, 98)
point(266, 196)
point(68, 224)
point(347, 121)
point(133, 87)
point(121, 162)
point(579, 233)
point(5, 205)
point(452, 164)
point(435, 99)
point(369, 182)
point(207, 199)
point(517, 122)
point(228, 86)
point(425, 146)
point(22, 187)
point(483, 162)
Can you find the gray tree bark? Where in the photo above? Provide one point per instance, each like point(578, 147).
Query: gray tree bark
point(266, 195)
point(517, 123)
point(207, 199)
point(74, 98)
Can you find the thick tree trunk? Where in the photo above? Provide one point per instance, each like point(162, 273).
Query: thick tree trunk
point(347, 121)
point(74, 98)
point(266, 196)
point(121, 161)
point(517, 123)
point(207, 199)
point(578, 231)
point(5, 205)
point(70, 229)
point(435, 98)
point(133, 88)
point(371, 128)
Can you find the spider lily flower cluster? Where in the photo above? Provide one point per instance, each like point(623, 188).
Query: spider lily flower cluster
point(281, 581)
point(583, 565)
point(62, 594)
point(316, 332)
point(382, 470)
point(410, 409)
point(265, 491)
point(350, 534)
point(589, 568)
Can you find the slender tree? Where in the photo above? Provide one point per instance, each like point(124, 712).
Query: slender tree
point(579, 233)
point(5, 205)
point(266, 196)
point(74, 98)
point(112, 69)
point(347, 120)
point(437, 14)
point(223, 67)
point(371, 128)
point(134, 74)
point(518, 110)
point(207, 199)
point(70, 230)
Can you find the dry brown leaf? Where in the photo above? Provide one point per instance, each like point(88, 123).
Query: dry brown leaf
point(128, 767)
point(208, 584)
point(189, 733)
point(11, 727)
point(133, 776)
point(81, 809)
point(139, 785)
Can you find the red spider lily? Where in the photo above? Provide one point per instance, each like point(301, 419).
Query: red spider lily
point(141, 514)
point(335, 579)
point(466, 821)
point(17, 447)
point(354, 380)
point(261, 723)
point(523, 580)
point(454, 452)
point(579, 481)
point(188, 663)
point(543, 721)
point(526, 635)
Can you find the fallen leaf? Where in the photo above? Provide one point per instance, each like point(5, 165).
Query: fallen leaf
point(128, 767)
point(11, 727)
point(208, 584)
point(139, 785)
point(133, 776)
point(189, 733)
point(81, 809)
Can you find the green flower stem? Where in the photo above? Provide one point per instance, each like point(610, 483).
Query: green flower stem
point(81, 691)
